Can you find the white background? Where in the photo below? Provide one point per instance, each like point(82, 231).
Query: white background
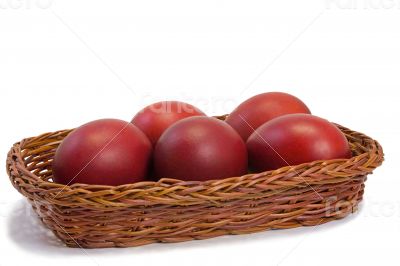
point(64, 63)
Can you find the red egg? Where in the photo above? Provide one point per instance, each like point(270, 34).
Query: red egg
point(257, 110)
point(154, 119)
point(200, 148)
point(295, 139)
point(103, 152)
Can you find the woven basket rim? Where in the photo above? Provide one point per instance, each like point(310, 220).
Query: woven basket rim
point(373, 148)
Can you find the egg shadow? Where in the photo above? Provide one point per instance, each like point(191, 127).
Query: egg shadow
point(27, 231)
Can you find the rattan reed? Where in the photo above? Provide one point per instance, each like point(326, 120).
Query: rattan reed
point(170, 210)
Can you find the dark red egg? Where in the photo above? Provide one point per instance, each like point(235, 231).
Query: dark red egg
point(200, 148)
point(103, 152)
point(257, 110)
point(154, 119)
point(295, 139)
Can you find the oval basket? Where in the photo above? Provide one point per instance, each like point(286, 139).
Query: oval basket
point(170, 210)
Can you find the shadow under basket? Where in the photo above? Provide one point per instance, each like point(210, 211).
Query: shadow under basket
point(170, 210)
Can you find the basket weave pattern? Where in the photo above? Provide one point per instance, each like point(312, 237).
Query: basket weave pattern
point(170, 210)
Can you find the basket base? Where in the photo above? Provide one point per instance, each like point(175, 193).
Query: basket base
point(309, 213)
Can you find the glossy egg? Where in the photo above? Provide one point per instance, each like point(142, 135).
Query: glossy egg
point(200, 148)
point(103, 152)
point(295, 139)
point(257, 110)
point(154, 119)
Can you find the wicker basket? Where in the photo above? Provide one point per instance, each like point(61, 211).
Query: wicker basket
point(170, 210)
